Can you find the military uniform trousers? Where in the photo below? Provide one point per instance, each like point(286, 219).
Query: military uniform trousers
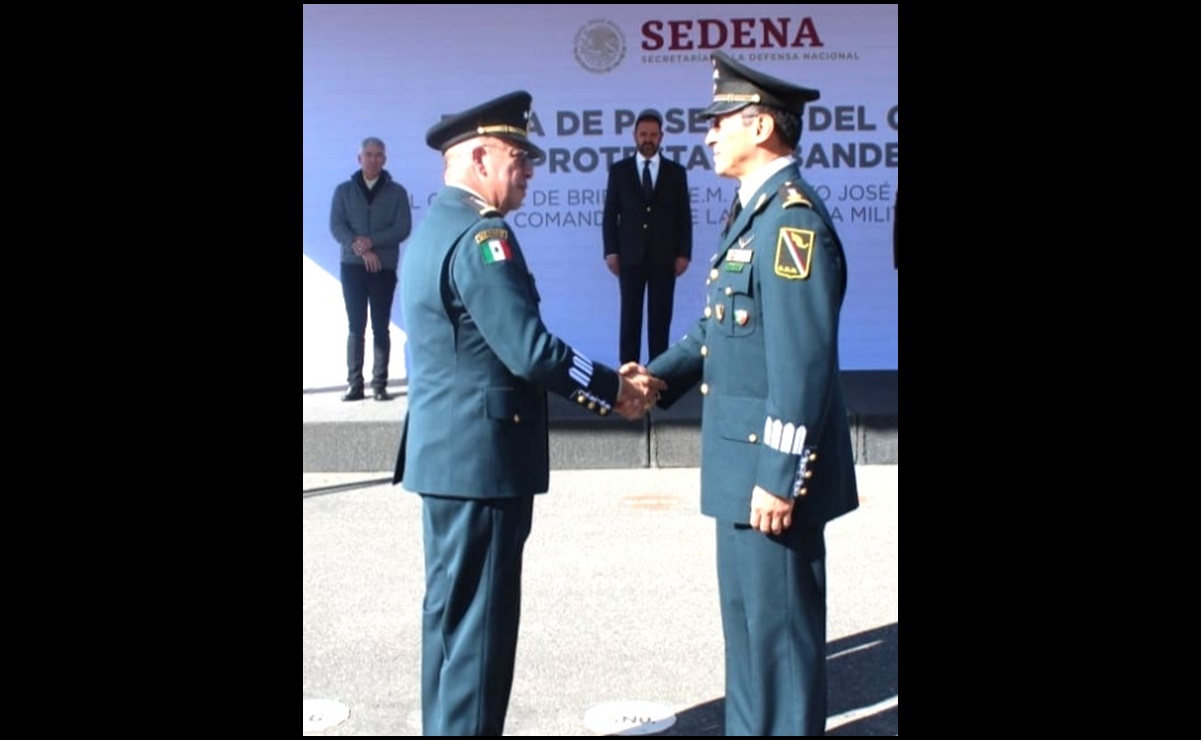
point(773, 612)
point(473, 557)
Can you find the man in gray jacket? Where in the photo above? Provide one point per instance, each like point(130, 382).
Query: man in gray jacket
point(369, 217)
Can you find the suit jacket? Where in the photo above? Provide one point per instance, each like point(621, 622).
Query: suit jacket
point(655, 232)
point(767, 351)
point(480, 359)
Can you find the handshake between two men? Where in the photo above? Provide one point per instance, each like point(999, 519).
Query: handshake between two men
point(639, 391)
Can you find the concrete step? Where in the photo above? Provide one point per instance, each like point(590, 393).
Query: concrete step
point(363, 436)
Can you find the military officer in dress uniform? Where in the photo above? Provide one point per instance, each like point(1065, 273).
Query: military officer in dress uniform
point(776, 460)
point(475, 443)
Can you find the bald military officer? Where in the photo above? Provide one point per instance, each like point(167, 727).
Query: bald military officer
point(475, 443)
point(776, 461)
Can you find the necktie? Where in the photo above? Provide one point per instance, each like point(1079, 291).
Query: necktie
point(647, 188)
point(737, 209)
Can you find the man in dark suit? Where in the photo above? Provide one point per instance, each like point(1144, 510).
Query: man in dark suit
point(647, 231)
point(475, 443)
point(776, 460)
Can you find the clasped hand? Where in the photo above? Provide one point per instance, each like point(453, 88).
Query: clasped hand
point(639, 391)
point(362, 247)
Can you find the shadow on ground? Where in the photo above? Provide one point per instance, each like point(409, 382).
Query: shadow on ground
point(863, 673)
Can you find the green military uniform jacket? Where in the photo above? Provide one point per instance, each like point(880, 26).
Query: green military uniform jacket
point(766, 352)
point(480, 359)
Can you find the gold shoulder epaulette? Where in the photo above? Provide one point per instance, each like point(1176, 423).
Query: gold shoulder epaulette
point(791, 196)
point(486, 210)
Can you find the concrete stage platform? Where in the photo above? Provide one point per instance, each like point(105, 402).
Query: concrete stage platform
point(362, 436)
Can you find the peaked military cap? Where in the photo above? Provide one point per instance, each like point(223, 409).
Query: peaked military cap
point(735, 86)
point(506, 117)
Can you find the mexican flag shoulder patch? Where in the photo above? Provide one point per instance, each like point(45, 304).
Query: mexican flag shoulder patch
point(494, 245)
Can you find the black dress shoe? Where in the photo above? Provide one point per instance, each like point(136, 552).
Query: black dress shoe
point(382, 394)
point(354, 394)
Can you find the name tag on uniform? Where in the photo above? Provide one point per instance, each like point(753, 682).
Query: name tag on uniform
point(739, 255)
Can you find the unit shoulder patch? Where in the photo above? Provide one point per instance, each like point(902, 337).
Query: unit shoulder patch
point(791, 196)
point(794, 253)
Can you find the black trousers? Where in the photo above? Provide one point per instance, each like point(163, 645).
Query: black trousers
point(657, 283)
point(361, 289)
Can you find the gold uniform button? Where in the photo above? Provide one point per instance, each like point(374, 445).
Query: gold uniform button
point(808, 474)
point(580, 398)
point(646, 226)
point(705, 350)
point(704, 389)
point(516, 418)
point(604, 411)
point(812, 456)
point(592, 406)
point(713, 274)
point(802, 492)
point(729, 291)
point(752, 438)
point(708, 311)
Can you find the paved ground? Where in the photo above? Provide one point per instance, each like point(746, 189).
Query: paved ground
point(620, 630)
